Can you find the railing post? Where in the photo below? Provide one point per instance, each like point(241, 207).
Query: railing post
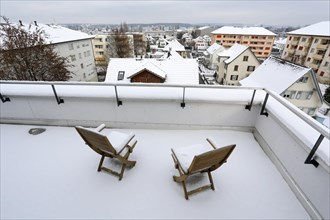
point(183, 104)
point(263, 111)
point(118, 101)
point(4, 99)
point(58, 99)
point(309, 159)
point(249, 106)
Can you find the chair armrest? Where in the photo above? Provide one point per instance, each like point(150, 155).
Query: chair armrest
point(100, 127)
point(212, 142)
point(176, 161)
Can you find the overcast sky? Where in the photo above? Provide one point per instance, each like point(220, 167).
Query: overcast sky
point(280, 12)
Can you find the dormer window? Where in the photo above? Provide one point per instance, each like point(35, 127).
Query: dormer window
point(121, 75)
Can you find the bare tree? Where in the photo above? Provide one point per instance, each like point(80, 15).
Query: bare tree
point(120, 45)
point(140, 45)
point(25, 55)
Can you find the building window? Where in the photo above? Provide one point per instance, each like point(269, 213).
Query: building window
point(99, 46)
point(326, 64)
point(267, 48)
point(312, 50)
point(234, 77)
point(316, 41)
point(308, 59)
point(304, 95)
point(303, 79)
point(79, 55)
point(71, 46)
point(250, 68)
point(236, 68)
point(287, 46)
point(301, 48)
point(289, 94)
point(290, 38)
point(73, 58)
point(82, 66)
point(121, 75)
point(303, 39)
point(322, 73)
point(245, 58)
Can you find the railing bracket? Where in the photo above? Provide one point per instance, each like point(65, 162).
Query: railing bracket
point(119, 103)
point(249, 106)
point(4, 99)
point(263, 109)
point(58, 99)
point(310, 158)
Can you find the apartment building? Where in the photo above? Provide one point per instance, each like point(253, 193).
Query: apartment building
point(100, 45)
point(309, 46)
point(74, 45)
point(259, 39)
point(295, 83)
point(235, 64)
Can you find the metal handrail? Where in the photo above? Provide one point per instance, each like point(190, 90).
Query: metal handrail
point(317, 126)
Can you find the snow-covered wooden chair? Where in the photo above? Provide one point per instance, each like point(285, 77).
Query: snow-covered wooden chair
point(199, 159)
point(116, 145)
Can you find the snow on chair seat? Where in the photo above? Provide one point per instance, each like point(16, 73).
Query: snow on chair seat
point(199, 159)
point(114, 145)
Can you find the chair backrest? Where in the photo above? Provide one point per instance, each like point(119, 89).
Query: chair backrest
point(95, 140)
point(210, 160)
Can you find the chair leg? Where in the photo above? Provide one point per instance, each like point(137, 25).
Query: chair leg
point(100, 164)
point(211, 180)
point(122, 172)
point(185, 190)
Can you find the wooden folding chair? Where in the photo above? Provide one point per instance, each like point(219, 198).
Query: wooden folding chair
point(199, 159)
point(114, 145)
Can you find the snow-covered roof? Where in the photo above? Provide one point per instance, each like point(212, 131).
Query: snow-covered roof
point(173, 55)
point(177, 71)
point(56, 33)
point(203, 28)
point(214, 47)
point(275, 74)
point(318, 29)
point(233, 52)
point(150, 66)
point(174, 45)
point(243, 31)
point(281, 41)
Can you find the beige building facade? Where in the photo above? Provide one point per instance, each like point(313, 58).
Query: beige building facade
point(310, 46)
point(235, 64)
point(260, 40)
point(100, 46)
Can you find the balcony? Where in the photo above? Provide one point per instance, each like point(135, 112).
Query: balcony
point(322, 46)
point(318, 56)
point(58, 178)
point(314, 66)
point(294, 42)
point(291, 51)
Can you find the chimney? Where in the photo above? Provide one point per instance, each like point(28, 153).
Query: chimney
point(35, 23)
point(20, 22)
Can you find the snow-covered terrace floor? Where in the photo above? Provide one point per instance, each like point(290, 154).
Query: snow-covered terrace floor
point(53, 176)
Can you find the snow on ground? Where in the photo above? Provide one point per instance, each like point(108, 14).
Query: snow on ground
point(53, 176)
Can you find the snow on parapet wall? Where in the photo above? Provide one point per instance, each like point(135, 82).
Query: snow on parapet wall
point(56, 33)
point(243, 31)
point(318, 29)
